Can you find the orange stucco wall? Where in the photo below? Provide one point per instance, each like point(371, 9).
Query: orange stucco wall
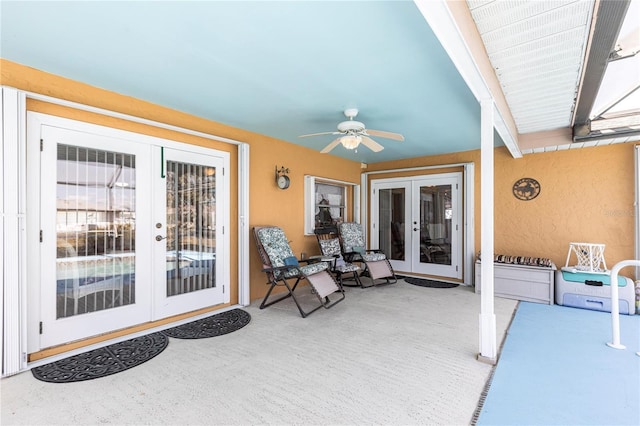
point(268, 204)
point(587, 195)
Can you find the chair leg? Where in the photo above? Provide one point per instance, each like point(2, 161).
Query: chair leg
point(367, 274)
point(393, 274)
point(355, 278)
point(264, 303)
point(326, 303)
point(291, 294)
point(324, 285)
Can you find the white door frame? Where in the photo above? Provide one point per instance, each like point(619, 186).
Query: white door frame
point(53, 330)
point(454, 269)
point(164, 306)
point(411, 185)
point(469, 211)
point(18, 227)
point(35, 122)
point(13, 234)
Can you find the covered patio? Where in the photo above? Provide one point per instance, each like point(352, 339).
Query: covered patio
point(394, 354)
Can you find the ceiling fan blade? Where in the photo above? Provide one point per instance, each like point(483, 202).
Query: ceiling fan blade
point(387, 135)
point(371, 144)
point(330, 146)
point(318, 134)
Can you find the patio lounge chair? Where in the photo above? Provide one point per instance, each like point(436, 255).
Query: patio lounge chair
point(329, 242)
point(280, 265)
point(377, 265)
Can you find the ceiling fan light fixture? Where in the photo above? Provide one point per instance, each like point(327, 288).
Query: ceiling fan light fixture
point(352, 133)
point(350, 141)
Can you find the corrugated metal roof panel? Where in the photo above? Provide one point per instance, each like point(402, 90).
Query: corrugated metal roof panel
point(490, 15)
point(537, 28)
point(537, 49)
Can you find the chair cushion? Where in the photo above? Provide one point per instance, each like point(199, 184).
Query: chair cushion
point(353, 241)
point(347, 267)
point(276, 245)
point(373, 257)
point(277, 248)
point(314, 268)
point(522, 260)
point(330, 247)
point(352, 236)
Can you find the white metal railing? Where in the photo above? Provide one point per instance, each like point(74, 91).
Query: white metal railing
point(615, 308)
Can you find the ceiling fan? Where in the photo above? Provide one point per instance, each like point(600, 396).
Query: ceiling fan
point(353, 133)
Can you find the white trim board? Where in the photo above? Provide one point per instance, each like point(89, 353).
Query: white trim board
point(637, 208)
point(13, 233)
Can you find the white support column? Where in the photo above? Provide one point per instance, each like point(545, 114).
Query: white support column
point(244, 289)
point(13, 232)
point(488, 345)
point(637, 208)
point(364, 200)
point(469, 220)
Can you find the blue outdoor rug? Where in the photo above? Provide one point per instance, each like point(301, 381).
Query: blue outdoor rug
point(555, 369)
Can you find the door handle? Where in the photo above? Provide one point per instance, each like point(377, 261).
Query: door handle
point(415, 229)
point(160, 238)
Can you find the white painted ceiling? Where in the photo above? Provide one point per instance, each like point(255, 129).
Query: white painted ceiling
point(284, 69)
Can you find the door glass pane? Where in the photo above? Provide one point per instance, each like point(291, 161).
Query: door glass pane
point(191, 225)
point(391, 222)
point(95, 227)
point(435, 224)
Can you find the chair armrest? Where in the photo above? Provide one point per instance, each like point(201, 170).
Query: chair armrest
point(332, 262)
point(351, 255)
point(280, 268)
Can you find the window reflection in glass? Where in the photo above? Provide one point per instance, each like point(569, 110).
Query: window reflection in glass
point(391, 219)
point(191, 225)
point(330, 208)
point(435, 224)
point(95, 227)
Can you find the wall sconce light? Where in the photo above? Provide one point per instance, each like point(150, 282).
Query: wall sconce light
point(282, 180)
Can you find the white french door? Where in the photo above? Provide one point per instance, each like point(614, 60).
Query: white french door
point(188, 224)
point(417, 223)
point(94, 192)
point(132, 230)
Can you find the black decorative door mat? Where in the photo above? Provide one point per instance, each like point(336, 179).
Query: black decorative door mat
point(422, 282)
point(215, 325)
point(104, 361)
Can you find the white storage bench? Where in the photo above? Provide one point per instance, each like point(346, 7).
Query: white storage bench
point(521, 282)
